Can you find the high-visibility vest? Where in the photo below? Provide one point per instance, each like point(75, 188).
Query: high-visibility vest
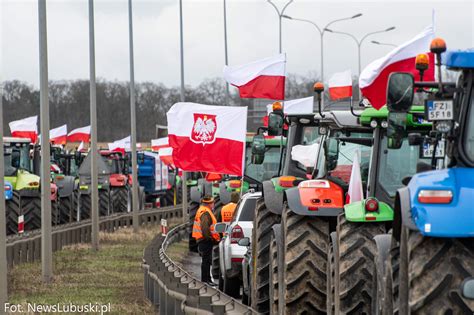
point(227, 212)
point(197, 231)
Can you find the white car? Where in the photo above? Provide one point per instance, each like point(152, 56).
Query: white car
point(231, 253)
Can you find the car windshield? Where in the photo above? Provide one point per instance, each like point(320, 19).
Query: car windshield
point(266, 170)
point(16, 157)
point(336, 159)
point(469, 135)
point(396, 164)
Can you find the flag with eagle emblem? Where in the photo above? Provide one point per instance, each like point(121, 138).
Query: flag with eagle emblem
point(207, 138)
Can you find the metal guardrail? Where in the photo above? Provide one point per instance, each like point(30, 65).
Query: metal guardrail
point(172, 290)
point(27, 247)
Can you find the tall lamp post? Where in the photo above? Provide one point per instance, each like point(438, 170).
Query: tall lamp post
point(360, 41)
point(226, 58)
point(280, 15)
point(383, 44)
point(321, 33)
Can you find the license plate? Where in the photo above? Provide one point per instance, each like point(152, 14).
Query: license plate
point(440, 110)
point(428, 150)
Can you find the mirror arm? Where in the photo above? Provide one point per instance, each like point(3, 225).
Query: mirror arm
point(352, 109)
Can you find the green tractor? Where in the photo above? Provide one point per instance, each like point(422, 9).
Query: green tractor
point(25, 205)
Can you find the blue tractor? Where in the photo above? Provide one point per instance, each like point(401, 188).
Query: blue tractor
point(426, 265)
point(154, 177)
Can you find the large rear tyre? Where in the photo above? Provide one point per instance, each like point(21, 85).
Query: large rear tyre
point(436, 268)
point(67, 208)
point(104, 202)
point(273, 270)
point(119, 196)
point(261, 234)
point(305, 246)
point(83, 207)
point(354, 265)
point(31, 209)
point(55, 218)
point(12, 212)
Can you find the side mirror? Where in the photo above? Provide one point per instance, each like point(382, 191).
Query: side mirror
point(400, 92)
point(275, 124)
point(220, 227)
point(467, 288)
point(258, 149)
point(396, 129)
point(245, 241)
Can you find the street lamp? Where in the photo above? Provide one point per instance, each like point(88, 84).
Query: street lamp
point(280, 14)
point(321, 33)
point(383, 44)
point(359, 42)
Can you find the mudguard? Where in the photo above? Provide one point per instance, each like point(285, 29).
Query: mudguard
point(30, 193)
point(405, 208)
point(326, 200)
point(273, 199)
point(453, 219)
point(224, 194)
point(66, 186)
point(195, 194)
point(207, 188)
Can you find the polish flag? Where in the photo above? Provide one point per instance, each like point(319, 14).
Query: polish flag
point(159, 143)
point(58, 135)
point(355, 192)
point(80, 148)
point(166, 156)
point(374, 78)
point(80, 134)
point(208, 138)
point(25, 128)
point(298, 106)
point(340, 85)
point(121, 145)
point(264, 78)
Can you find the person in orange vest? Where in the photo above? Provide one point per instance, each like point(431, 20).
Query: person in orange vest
point(205, 235)
point(227, 212)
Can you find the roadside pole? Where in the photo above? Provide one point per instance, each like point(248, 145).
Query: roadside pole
point(3, 232)
point(182, 99)
point(46, 237)
point(93, 148)
point(135, 203)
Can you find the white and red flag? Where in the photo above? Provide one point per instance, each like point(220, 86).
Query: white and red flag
point(374, 78)
point(297, 106)
point(355, 191)
point(166, 156)
point(58, 135)
point(208, 138)
point(340, 85)
point(264, 78)
point(121, 145)
point(82, 134)
point(159, 143)
point(25, 128)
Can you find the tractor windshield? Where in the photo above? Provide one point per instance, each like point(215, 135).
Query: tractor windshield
point(397, 164)
point(266, 170)
point(17, 156)
point(469, 133)
point(114, 166)
point(337, 157)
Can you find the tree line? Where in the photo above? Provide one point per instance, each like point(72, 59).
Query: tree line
point(69, 103)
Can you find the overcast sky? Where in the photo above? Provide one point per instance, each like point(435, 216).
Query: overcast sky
point(252, 34)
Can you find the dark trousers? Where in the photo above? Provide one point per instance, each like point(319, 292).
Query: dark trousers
point(205, 249)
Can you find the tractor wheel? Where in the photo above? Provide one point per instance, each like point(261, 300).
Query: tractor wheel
point(354, 265)
point(83, 207)
point(31, 209)
point(215, 262)
point(168, 199)
point(330, 272)
point(261, 233)
point(67, 208)
point(232, 286)
point(119, 196)
point(273, 276)
point(104, 202)
point(12, 212)
point(55, 212)
point(435, 270)
point(305, 250)
point(389, 287)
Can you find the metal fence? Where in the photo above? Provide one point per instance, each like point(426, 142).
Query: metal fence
point(27, 247)
point(174, 291)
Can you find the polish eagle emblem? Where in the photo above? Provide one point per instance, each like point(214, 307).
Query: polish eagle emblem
point(204, 128)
